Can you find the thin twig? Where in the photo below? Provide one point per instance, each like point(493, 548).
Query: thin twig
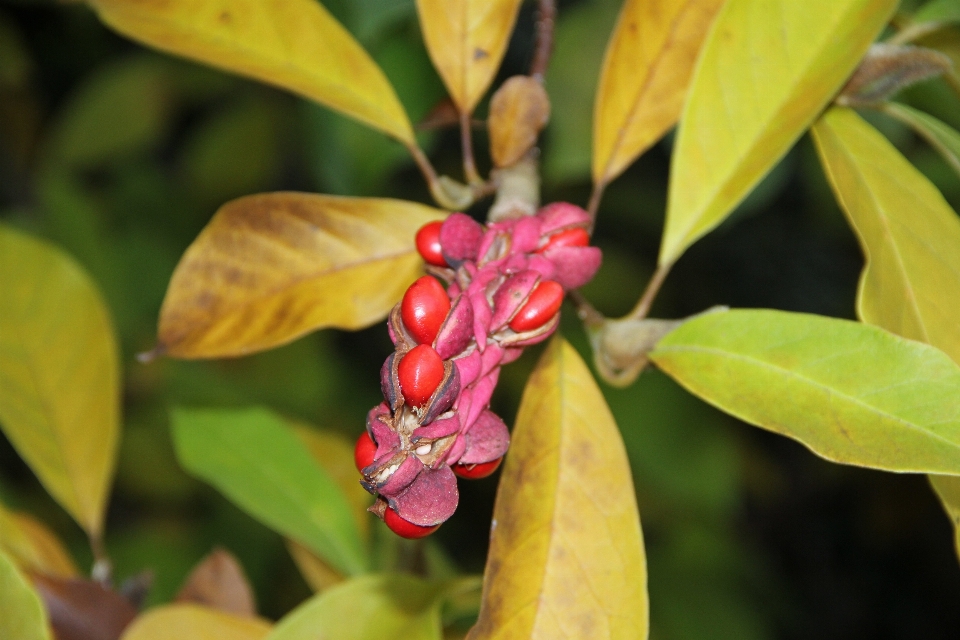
point(587, 313)
point(642, 309)
point(594, 203)
point(466, 142)
point(914, 32)
point(546, 18)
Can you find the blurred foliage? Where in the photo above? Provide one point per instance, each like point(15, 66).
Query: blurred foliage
point(121, 155)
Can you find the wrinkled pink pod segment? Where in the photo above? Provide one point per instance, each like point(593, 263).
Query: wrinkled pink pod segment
point(481, 318)
point(440, 428)
point(385, 438)
point(456, 332)
point(409, 469)
point(482, 391)
point(460, 237)
point(430, 499)
point(526, 235)
point(545, 267)
point(575, 266)
point(487, 440)
point(561, 215)
point(469, 366)
point(510, 297)
point(456, 450)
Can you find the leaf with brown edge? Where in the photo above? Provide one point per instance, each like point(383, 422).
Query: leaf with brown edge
point(767, 70)
point(519, 110)
point(293, 44)
point(566, 553)
point(59, 375)
point(193, 622)
point(32, 546)
point(83, 609)
point(466, 40)
point(270, 268)
point(218, 582)
point(646, 70)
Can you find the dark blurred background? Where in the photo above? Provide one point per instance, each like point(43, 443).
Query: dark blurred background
point(121, 155)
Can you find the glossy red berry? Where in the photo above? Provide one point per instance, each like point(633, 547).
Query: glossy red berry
point(476, 471)
point(364, 451)
point(424, 307)
point(405, 528)
point(539, 308)
point(420, 372)
point(577, 237)
point(428, 244)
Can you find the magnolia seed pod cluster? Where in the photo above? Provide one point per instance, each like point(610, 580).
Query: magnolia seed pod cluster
point(502, 289)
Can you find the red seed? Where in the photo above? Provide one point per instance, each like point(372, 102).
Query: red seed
point(577, 237)
point(420, 372)
point(405, 528)
point(364, 451)
point(428, 244)
point(539, 308)
point(476, 471)
point(424, 307)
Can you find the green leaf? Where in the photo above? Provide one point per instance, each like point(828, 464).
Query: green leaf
point(294, 44)
point(371, 607)
point(59, 375)
point(255, 460)
point(942, 11)
point(766, 71)
point(193, 622)
point(910, 235)
point(941, 136)
point(850, 392)
point(22, 616)
point(948, 490)
point(271, 267)
point(566, 553)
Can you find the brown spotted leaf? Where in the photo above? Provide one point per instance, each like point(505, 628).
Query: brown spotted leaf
point(271, 267)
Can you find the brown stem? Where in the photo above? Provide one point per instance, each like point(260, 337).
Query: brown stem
point(430, 175)
point(594, 203)
point(546, 18)
point(466, 143)
point(642, 309)
point(102, 567)
point(587, 313)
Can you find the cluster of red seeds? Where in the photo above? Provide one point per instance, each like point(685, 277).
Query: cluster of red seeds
point(504, 287)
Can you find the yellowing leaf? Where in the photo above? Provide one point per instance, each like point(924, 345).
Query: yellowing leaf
point(566, 553)
point(59, 375)
point(21, 615)
point(269, 268)
point(193, 622)
point(371, 607)
point(646, 71)
point(910, 235)
point(33, 547)
point(466, 40)
point(766, 71)
point(854, 393)
point(294, 44)
point(948, 490)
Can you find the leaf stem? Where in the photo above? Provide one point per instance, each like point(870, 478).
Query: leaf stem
point(587, 313)
point(102, 571)
point(546, 19)
point(642, 309)
point(594, 203)
point(430, 175)
point(466, 143)
point(914, 32)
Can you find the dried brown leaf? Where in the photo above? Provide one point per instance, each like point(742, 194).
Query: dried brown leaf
point(218, 582)
point(519, 110)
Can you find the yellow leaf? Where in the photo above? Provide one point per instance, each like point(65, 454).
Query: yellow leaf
point(519, 110)
point(766, 71)
point(22, 616)
point(33, 547)
point(566, 553)
point(193, 622)
point(646, 71)
point(947, 489)
point(909, 234)
point(271, 267)
point(59, 375)
point(466, 40)
point(293, 44)
point(318, 575)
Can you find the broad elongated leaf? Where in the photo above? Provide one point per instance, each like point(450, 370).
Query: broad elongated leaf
point(942, 11)
point(941, 136)
point(59, 375)
point(646, 71)
point(193, 622)
point(948, 490)
point(850, 392)
point(256, 461)
point(294, 44)
point(910, 235)
point(21, 614)
point(269, 268)
point(766, 71)
point(367, 608)
point(466, 40)
point(566, 553)
point(32, 546)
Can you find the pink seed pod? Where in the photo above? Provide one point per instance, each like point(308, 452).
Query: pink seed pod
point(460, 237)
point(510, 297)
